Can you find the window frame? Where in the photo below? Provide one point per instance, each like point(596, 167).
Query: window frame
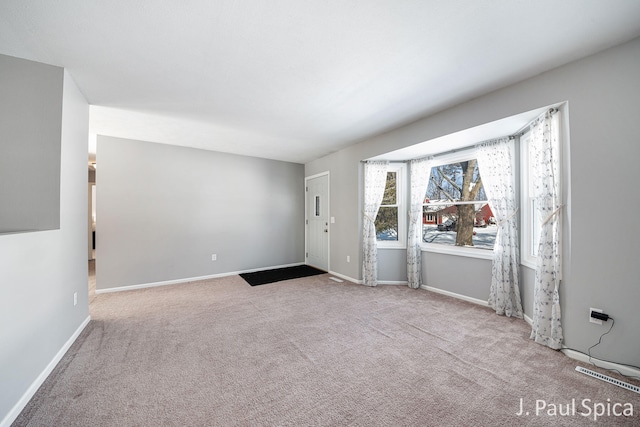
point(470, 252)
point(529, 219)
point(401, 188)
point(530, 224)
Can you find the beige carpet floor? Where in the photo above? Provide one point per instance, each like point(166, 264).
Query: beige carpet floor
point(311, 352)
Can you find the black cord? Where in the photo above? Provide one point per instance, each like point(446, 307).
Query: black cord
point(613, 322)
point(609, 361)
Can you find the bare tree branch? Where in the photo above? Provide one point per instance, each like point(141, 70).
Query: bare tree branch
point(453, 183)
point(447, 195)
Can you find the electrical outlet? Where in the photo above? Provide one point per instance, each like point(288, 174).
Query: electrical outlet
point(348, 258)
point(594, 320)
point(75, 299)
point(214, 257)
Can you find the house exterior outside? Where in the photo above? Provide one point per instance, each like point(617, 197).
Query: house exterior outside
point(437, 214)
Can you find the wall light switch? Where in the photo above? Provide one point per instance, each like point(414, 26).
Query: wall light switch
point(333, 220)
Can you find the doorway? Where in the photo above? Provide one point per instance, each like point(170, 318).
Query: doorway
point(317, 221)
point(91, 241)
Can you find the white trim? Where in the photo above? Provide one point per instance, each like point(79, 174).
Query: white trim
point(33, 388)
point(318, 175)
point(306, 215)
point(190, 279)
point(527, 228)
point(342, 276)
point(359, 282)
point(456, 202)
point(454, 295)
point(459, 155)
point(458, 251)
point(401, 189)
point(393, 282)
point(528, 319)
point(623, 369)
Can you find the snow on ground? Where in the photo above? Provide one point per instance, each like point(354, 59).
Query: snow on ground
point(483, 239)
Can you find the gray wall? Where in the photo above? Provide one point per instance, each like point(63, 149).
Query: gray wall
point(29, 154)
point(163, 210)
point(470, 277)
point(601, 267)
point(40, 271)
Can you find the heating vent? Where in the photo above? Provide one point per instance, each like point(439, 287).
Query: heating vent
point(608, 379)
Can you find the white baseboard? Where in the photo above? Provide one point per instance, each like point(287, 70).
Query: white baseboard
point(26, 397)
point(189, 279)
point(528, 319)
point(454, 295)
point(624, 370)
point(359, 282)
point(342, 276)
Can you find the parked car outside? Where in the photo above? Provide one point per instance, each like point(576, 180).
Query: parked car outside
point(448, 225)
point(479, 222)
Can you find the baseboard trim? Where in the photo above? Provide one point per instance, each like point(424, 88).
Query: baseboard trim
point(190, 279)
point(624, 370)
point(342, 276)
point(359, 282)
point(454, 295)
point(528, 319)
point(33, 388)
point(393, 282)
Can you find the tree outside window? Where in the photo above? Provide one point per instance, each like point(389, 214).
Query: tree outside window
point(456, 209)
point(391, 222)
point(387, 219)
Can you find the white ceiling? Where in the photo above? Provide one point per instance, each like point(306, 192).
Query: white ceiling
point(294, 80)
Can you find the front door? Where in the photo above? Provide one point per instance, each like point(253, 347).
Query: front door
point(317, 221)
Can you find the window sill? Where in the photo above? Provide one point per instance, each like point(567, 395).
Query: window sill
point(458, 251)
point(392, 246)
point(529, 264)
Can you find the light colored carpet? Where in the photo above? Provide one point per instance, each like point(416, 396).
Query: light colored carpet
point(309, 352)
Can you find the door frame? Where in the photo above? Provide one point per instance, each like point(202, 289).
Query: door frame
point(306, 216)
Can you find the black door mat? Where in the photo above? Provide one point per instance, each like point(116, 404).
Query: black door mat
point(278, 274)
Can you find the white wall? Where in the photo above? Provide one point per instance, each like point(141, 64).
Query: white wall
point(602, 93)
point(163, 210)
point(41, 271)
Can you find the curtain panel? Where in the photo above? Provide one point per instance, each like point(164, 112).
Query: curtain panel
point(420, 172)
point(547, 328)
point(375, 180)
point(496, 162)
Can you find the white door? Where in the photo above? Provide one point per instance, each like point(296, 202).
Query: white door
point(317, 212)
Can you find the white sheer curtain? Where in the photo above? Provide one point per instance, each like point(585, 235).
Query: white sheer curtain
point(420, 171)
point(547, 328)
point(375, 180)
point(496, 162)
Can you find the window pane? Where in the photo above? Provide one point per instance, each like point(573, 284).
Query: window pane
point(456, 182)
point(390, 197)
point(387, 224)
point(470, 225)
point(535, 228)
